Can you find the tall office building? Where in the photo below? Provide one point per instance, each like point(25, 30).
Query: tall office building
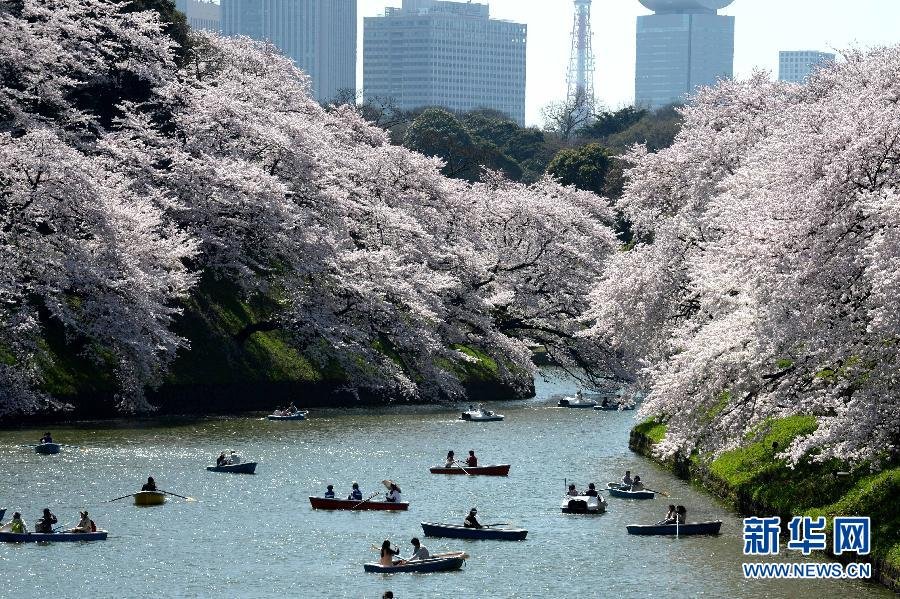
point(797, 66)
point(450, 54)
point(319, 35)
point(683, 45)
point(201, 14)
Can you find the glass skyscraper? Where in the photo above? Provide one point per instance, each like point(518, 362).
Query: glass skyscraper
point(683, 45)
point(797, 66)
point(450, 54)
point(319, 35)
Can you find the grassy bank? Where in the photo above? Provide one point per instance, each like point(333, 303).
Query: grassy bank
point(756, 482)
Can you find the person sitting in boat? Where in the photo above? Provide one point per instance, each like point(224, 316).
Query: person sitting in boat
point(394, 494)
point(419, 550)
point(355, 493)
point(329, 492)
point(471, 461)
point(47, 438)
point(671, 516)
point(591, 490)
point(605, 402)
point(471, 521)
point(220, 461)
point(17, 525)
point(387, 554)
point(451, 459)
point(292, 409)
point(150, 485)
point(45, 524)
point(626, 480)
point(572, 492)
point(681, 512)
point(233, 458)
point(85, 524)
point(636, 484)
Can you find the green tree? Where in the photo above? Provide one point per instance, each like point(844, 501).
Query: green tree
point(586, 167)
point(609, 123)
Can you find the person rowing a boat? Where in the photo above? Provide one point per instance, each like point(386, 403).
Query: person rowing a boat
point(637, 485)
point(472, 461)
point(572, 491)
point(671, 516)
point(451, 459)
point(45, 524)
point(292, 409)
point(388, 553)
point(591, 491)
point(221, 460)
point(394, 494)
point(681, 512)
point(626, 480)
point(85, 524)
point(150, 485)
point(355, 493)
point(471, 521)
point(329, 492)
point(419, 550)
point(47, 438)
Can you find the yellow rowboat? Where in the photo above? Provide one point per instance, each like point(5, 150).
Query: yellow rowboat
point(149, 498)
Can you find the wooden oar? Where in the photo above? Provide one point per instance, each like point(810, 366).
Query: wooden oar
point(663, 493)
point(177, 495)
point(63, 526)
point(467, 473)
point(365, 500)
point(122, 497)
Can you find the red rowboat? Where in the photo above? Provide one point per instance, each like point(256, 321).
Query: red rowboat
point(496, 470)
point(321, 503)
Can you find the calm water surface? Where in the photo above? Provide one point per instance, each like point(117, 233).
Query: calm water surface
point(256, 536)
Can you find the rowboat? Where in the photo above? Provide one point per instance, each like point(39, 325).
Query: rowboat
point(613, 407)
point(47, 448)
point(583, 504)
point(691, 528)
point(440, 562)
point(495, 470)
point(295, 416)
point(149, 498)
point(243, 468)
point(575, 402)
point(324, 503)
point(481, 415)
point(619, 490)
point(454, 531)
point(52, 537)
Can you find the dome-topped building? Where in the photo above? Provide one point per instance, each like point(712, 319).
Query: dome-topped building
point(684, 45)
point(685, 6)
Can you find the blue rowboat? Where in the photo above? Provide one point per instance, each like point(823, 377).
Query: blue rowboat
point(52, 537)
point(626, 494)
point(442, 562)
point(691, 528)
point(297, 416)
point(242, 468)
point(47, 448)
point(453, 531)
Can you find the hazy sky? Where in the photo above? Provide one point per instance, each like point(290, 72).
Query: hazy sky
point(763, 27)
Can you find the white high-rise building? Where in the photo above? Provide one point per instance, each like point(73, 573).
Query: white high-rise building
point(319, 35)
point(449, 54)
point(685, 44)
point(201, 14)
point(797, 66)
